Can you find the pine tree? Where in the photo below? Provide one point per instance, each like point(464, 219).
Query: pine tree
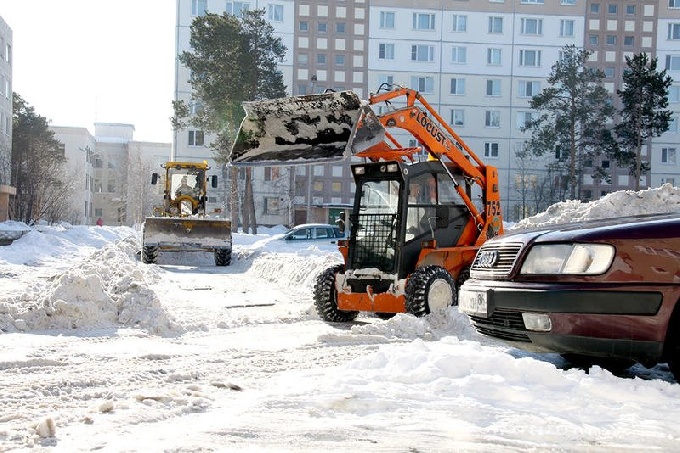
point(642, 116)
point(233, 59)
point(574, 113)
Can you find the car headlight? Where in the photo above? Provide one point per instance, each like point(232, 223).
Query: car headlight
point(568, 259)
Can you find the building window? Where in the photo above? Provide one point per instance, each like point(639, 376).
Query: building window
point(303, 59)
point(593, 40)
point(532, 2)
point(321, 59)
point(336, 186)
point(674, 31)
point(530, 58)
point(670, 181)
point(459, 55)
point(459, 23)
point(386, 51)
point(567, 2)
point(674, 94)
point(612, 8)
point(495, 24)
point(528, 88)
point(493, 87)
point(340, 27)
point(272, 173)
point(457, 86)
point(609, 72)
point(458, 117)
point(275, 13)
point(493, 56)
point(339, 60)
point(198, 7)
point(303, 26)
point(628, 41)
point(566, 28)
point(674, 3)
point(236, 8)
point(492, 118)
point(595, 8)
point(271, 205)
point(422, 84)
point(610, 40)
point(196, 138)
point(385, 79)
point(673, 62)
point(111, 186)
point(532, 26)
point(491, 149)
point(422, 52)
point(668, 155)
point(386, 19)
point(630, 10)
point(422, 21)
point(523, 118)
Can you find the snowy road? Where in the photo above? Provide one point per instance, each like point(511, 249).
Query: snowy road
point(109, 354)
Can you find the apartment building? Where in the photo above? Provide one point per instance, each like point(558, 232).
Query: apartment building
point(110, 173)
point(477, 62)
point(6, 188)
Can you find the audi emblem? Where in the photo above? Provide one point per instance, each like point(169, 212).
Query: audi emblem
point(487, 258)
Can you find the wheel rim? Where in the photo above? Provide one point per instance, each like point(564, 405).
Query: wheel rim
point(440, 295)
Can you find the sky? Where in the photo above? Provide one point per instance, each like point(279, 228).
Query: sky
point(78, 62)
point(99, 352)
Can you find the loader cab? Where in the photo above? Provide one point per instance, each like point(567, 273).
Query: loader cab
point(185, 189)
point(397, 206)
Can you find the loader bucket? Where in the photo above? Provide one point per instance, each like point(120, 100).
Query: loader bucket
point(303, 130)
point(188, 233)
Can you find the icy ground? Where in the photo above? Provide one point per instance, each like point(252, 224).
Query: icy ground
point(101, 352)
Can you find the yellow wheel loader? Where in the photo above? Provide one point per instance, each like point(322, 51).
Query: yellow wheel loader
point(182, 223)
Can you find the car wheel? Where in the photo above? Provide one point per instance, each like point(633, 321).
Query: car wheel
point(149, 254)
point(672, 346)
point(429, 289)
point(326, 297)
point(222, 257)
point(616, 366)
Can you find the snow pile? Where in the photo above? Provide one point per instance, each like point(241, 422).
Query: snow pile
point(664, 199)
point(104, 291)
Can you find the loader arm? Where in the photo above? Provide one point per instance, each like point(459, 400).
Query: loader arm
point(429, 128)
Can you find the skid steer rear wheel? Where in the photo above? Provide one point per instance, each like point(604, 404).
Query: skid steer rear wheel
point(222, 257)
point(149, 254)
point(429, 289)
point(326, 297)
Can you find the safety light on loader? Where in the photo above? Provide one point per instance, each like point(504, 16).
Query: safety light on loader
point(359, 170)
point(391, 168)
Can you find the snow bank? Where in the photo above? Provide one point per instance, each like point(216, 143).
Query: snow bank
point(106, 290)
point(664, 199)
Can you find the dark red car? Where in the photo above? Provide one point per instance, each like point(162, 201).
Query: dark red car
point(606, 289)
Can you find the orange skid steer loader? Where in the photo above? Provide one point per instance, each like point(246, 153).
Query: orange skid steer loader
point(419, 213)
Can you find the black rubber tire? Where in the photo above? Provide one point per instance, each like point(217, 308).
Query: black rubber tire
point(326, 298)
point(149, 254)
point(385, 315)
point(222, 257)
point(672, 344)
point(419, 288)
